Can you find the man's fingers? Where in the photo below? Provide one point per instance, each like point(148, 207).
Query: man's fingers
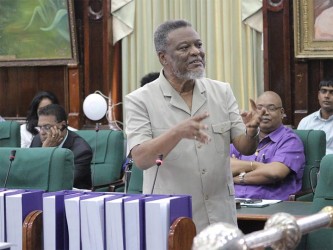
point(200, 117)
point(253, 105)
point(245, 114)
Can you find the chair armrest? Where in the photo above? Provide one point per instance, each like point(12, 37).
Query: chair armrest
point(111, 187)
point(117, 184)
point(296, 196)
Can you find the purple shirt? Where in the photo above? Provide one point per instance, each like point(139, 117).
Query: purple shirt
point(282, 145)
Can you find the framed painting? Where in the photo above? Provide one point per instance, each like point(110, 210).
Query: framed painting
point(37, 33)
point(313, 28)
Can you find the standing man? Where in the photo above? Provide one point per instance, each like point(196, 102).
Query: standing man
point(323, 118)
point(190, 120)
point(53, 132)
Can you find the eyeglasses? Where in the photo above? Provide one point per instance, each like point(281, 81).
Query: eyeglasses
point(269, 108)
point(326, 91)
point(45, 127)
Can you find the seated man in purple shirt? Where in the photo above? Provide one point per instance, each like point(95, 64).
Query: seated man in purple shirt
point(275, 170)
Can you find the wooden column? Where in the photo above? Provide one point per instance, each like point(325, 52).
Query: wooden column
point(277, 52)
point(98, 48)
point(75, 104)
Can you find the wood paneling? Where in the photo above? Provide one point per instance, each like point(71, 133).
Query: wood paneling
point(70, 83)
point(277, 52)
point(295, 80)
point(18, 85)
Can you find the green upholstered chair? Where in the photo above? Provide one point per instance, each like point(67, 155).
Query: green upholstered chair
point(10, 135)
point(108, 156)
point(323, 238)
point(49, 169)
point(314, 142)
point(136, 181)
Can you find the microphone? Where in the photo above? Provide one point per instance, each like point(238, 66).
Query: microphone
point(159, 162)
point(12, 155)
point(11, 159)
point(97, 127)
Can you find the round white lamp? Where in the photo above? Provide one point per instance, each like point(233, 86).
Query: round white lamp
point(95, 107)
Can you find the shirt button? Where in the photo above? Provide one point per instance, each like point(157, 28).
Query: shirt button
point(206, 197)
point(203, 171)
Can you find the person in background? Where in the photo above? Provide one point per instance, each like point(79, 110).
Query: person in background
point(275, 170)
point(149, 78)
point(53, 132)
point(190, 121)
point(323, 118)
point(28, 129)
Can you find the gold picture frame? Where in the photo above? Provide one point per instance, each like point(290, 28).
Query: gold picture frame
point(312, 30)
point(37, 33)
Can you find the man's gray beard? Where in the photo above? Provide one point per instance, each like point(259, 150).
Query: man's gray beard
point(190, 75)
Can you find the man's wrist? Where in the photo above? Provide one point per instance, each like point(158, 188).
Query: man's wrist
point(241, 177)
point(253, 136)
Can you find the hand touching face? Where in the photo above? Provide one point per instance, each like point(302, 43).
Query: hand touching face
point(51, 132)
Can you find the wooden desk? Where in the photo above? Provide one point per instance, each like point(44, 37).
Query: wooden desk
point(253, 219)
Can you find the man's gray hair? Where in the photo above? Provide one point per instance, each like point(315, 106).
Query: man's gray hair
point(163, 30)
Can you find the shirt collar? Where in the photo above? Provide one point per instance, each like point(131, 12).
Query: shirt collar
point(167, 89)
point(317, 115)
point(275, 135)
point(63, 141)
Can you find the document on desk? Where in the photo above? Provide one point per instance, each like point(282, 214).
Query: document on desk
point(247, 202)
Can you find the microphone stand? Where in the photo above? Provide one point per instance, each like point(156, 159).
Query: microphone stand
point(11, 159)
point(95, 150)
point(128, 173)
point(159, 162)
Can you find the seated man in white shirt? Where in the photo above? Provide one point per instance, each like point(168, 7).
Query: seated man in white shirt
point(323, 118)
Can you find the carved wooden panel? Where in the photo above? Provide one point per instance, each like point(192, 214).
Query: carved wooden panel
point(18, 85)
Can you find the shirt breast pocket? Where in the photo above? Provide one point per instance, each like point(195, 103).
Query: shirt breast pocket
point(221, 135)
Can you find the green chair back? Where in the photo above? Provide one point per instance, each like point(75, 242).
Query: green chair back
point(136, 181)
point(108, 155)
point(10, 135)
point(49, 169)
point(314, 142)
point(323, 238)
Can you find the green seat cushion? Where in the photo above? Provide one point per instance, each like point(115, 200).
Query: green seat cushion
point(49, 169)
point(10, 135)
